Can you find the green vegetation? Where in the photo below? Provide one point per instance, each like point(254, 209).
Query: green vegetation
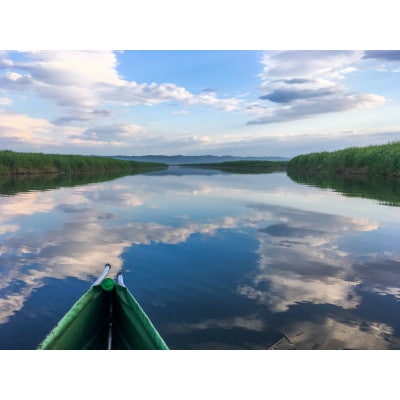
point(244, 166)
point(13, 163)
point(383, 160)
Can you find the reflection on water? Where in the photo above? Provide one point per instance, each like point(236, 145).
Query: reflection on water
point(217, 261)
point(10, 185)
point(386, 190)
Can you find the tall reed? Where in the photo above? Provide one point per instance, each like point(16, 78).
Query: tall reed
point(30, 163)
point(383, 160)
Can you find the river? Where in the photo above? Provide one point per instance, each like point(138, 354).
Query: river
point(217, 260)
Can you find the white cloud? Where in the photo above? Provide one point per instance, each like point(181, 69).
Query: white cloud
point(32, 134)
point(307, 64)
point(118, 133)
point(85, 80)
point(21, 127)
point(306, 107)
point(19, 131)
point(369, 101)
point(306, 83)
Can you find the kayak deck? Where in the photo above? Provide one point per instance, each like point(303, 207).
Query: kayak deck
point(107, 316)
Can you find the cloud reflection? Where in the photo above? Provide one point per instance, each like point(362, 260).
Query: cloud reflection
point(300, 259)
point(87, 238)
point(379, 276)
point(251, 323)
point(330, 334)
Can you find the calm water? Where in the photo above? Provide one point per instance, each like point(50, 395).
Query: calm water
point(217, 261)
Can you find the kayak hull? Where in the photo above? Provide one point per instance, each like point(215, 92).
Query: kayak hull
point(105, 319)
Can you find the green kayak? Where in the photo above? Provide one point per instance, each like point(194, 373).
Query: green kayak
point(107, 316)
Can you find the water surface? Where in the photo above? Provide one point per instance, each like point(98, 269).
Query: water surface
point(217, 260)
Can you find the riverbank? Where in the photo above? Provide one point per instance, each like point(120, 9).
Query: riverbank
point(380, 160)
point(15, 163)
point(243, 166)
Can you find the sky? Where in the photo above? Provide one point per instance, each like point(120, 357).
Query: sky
point(238, 102)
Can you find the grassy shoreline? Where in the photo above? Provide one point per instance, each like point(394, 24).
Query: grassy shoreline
point(379, 160)
point(15, 163)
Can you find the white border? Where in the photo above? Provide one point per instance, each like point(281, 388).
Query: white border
point(216, 24)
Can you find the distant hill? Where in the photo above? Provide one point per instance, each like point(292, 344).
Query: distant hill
point(179, 159)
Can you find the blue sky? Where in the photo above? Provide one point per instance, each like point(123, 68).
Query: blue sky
point(239, 102)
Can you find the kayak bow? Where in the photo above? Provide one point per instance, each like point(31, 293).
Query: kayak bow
point(107, 316)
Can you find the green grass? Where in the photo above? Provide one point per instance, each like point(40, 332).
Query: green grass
point(244, 167)
point(14, 163)
point(381, 160)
